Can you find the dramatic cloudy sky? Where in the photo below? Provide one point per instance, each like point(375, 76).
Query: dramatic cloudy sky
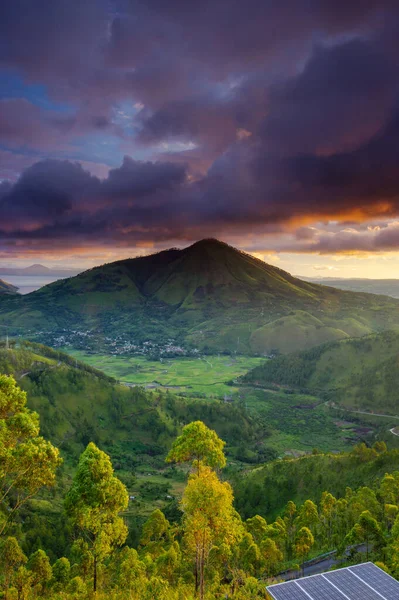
point(132, 125)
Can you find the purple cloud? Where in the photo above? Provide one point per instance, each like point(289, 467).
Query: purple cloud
point(239, 117)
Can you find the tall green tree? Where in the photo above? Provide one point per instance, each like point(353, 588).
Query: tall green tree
point(209, 519)
point(200, 445)
point(27, 461)
point(11, 557)
point(40, 568)
point(308, 515)
point(303, 544)
point(94, 503)
point(366, 530)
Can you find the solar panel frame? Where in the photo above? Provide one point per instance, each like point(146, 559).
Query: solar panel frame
point(365, 581)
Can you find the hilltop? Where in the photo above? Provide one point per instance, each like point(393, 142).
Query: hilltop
point(7, 288)
point(209, 296)
point(356, 373)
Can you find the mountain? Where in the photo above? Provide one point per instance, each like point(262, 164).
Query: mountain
point(38, 269)
point(356, 374)
point(387, 287)
point(209, 295)
point(7, 288)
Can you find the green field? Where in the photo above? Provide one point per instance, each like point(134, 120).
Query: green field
point(206, 375)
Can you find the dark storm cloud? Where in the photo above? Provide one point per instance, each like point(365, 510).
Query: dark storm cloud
point(269, 113)
point(59, 199)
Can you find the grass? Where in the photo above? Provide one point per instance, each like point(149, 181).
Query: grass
point(206, 375)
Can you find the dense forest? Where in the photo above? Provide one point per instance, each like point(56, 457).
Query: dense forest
point(206, 548)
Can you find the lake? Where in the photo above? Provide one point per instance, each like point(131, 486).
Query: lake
point(28, 283)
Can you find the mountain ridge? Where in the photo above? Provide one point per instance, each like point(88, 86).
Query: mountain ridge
point(208, 295)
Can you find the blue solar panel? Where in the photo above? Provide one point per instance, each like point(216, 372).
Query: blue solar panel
point(287, 591)
point(351, 585)
point(378, 579)
point(360, 582)
point(320, 588)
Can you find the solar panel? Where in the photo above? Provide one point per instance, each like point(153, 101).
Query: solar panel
point(352, 586)
point(378, 579)
point(320, 588)
point(287, 591)
point(360, 582)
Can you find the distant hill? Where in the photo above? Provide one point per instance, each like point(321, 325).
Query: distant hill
point(38, 269)
point(387, 287)
point(7, 288)
point(209, 295)
point(360, 374)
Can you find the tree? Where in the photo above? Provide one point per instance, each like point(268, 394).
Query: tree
point(155, 528)
point(257, 526)
point(199, 444)
point(365, 530)
point(22, 582)
point(27, 461)
point(271, 554)
point(389, 489)
point(94, 502)
point(303, 543)
point(289, 520)
point(209, 519)
point(327, 514)
point(61, 571)
point(131, 572)
point(308, 515)
point(11, 557)
point(40, 568)
point(156, 531)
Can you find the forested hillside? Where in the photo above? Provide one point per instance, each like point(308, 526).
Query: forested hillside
point(78, 404)
point(266, 489)
point(209, 296)
point(356, 374)
point(205, 550)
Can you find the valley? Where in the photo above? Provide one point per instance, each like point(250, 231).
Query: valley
point(296, 422)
